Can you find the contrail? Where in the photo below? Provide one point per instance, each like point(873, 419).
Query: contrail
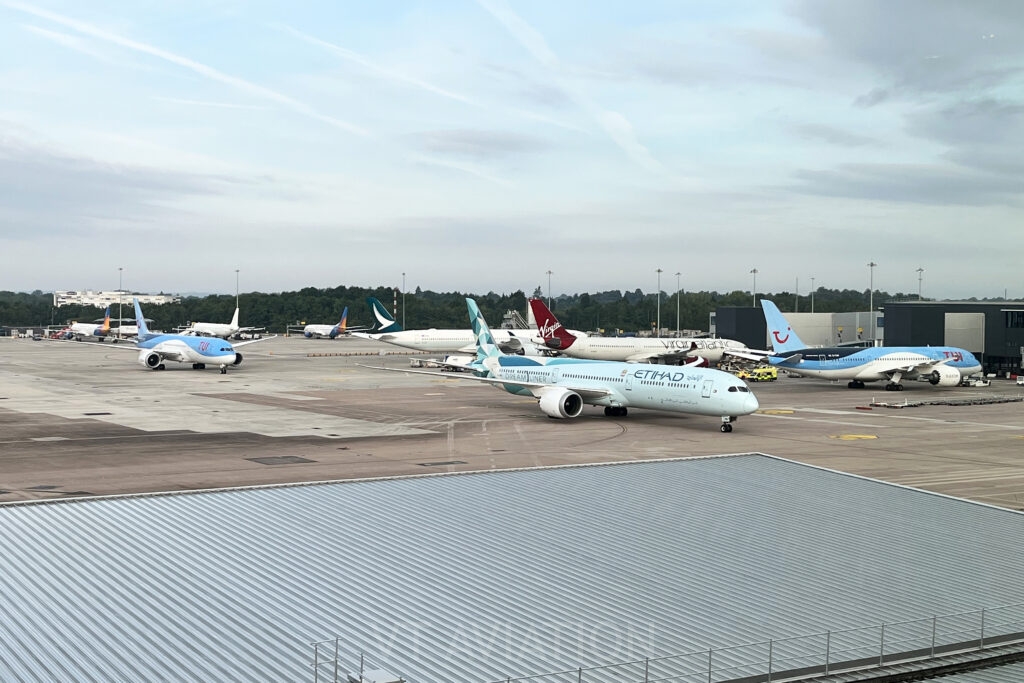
point(199, 68)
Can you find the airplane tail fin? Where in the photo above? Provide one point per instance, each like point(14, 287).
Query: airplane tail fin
point(106, 322)
point(339, 329)
point(234, 320)
point(551, 331)
point(140, 320)
point(485, 344)
point(385, 321)
point(783, 336)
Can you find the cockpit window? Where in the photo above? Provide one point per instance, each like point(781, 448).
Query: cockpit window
point(740, 389)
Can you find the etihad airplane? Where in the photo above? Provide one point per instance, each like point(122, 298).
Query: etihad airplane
point(155, 348)
point(224, 331)
point(944, 366)
point(562, 386)
point(521, 341)
point(79, 331)
point(330, 331)
point(662, 350)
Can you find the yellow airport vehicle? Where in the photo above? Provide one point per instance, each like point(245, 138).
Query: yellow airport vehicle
point(761, 374)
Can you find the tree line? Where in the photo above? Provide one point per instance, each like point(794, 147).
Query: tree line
point(611, 311)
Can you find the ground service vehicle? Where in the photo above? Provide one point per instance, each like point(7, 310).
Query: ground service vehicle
point(764, 374)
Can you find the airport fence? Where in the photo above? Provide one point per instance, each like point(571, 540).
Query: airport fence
point(816, 654)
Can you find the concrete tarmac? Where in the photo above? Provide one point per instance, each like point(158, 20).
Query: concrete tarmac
point(82, 419)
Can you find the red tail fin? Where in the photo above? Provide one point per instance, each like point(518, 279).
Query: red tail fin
point(551, 331)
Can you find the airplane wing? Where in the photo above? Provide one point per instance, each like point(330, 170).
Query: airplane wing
point(748, 354)
point(680, 357)
point(923, 367)
point(535, 388)
point(252, 341)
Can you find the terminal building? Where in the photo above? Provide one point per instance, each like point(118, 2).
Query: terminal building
point(992, 330)
point(103, 299)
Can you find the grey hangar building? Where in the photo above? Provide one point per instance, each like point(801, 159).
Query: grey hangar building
point(744, 567)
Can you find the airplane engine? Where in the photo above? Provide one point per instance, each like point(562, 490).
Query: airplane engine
point(238, 358)
point(561, 403)
point(150, 359)
point(944, 376)
point(307, 335)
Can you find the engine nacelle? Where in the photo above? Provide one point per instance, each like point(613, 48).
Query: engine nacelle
point(945, 376)
point(238, 358)
point(151, 359)
point(561, 403)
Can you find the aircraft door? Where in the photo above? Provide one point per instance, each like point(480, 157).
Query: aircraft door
point(706, 391)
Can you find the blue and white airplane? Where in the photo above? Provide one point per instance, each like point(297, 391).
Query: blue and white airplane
point(313, 331)
point(80, 331)
point(944, 366)
point(185, 348)
point(563, 386)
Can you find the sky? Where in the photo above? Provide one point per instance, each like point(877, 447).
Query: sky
point(497, 145)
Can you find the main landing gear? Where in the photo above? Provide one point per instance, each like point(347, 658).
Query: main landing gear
point(223, 369)
point(893, 386)
point(615, 411)
point(727, 424)
point(199, 366)
point(855, 384)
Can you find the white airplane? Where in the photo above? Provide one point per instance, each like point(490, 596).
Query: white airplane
point(518, 341)
point(331, 331)
point(155, 348)
point(944, 366)
point(663, 350)
point(562, 386)
point(224, 331)
point(79, 331)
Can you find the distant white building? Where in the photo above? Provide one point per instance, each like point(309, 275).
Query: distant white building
point(108, 298)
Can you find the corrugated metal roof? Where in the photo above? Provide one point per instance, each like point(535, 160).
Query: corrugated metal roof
point(1010, 673)
point(475, 577)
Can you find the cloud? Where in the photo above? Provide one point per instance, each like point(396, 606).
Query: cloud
point(614, 124)
point(478, 144)
point(462, 167)
point(832, 135)
point(196, 67)
point(380, 71)
point(46, 193)
point(909, 183)
point(921, 47)
point(216, 105)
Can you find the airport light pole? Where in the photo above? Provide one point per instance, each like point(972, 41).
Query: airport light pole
point(236, 287)
point(871, 297)
point(120, 293)
point(920, 272)
point(657, 331)
point(678, 290)
point(812, 295)
point(754, 273)
point(549, 289)
point(403, 301)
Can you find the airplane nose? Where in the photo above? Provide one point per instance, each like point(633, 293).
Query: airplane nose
point(751, 404)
